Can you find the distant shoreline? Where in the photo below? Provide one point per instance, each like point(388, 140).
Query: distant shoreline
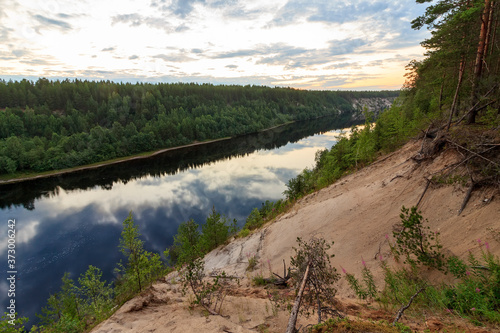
point(53, 173)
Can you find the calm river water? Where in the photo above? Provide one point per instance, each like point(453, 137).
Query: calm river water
point(66, 223)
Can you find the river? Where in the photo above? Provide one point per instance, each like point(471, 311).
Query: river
point(66, 223)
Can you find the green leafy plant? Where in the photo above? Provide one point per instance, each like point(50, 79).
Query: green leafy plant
point(78, 306)
point(416, 242)
point(215, 231)
point(10, 325)
point(365, 290)
point(254, 220)
point(252, 262)
point(186, 246)
point(477, 295)
point(141, 268)
point(244, 233)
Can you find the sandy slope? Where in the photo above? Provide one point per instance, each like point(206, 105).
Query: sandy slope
point(356, 213)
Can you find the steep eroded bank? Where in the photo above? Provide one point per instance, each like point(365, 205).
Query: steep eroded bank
point(356, 213)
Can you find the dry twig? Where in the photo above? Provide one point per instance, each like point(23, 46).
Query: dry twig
point(404, 307)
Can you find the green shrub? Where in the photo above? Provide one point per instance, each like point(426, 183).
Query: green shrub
point(254, 220)
point(477, 295)
point(365, 290)
point(415, 242)
point(215, 231)
point(244, 233)
point(10, 325)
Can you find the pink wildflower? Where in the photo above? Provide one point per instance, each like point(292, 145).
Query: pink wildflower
point(381, 258)
point(479, 241)
point(467, 273)
point(478, 290)
point(387, 236)
point(343, 270)
point(473, 309)
point(487, 245)
point(363, 262)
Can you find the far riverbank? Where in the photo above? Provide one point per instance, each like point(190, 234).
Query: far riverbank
point(38, 175)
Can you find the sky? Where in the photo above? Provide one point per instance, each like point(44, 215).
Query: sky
point(304, 44)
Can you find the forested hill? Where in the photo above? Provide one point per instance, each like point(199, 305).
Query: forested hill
point(49, 125)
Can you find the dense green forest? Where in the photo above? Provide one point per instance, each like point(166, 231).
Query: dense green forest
point(46, 125)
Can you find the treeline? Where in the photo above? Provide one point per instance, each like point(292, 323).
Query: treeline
point(49, 125)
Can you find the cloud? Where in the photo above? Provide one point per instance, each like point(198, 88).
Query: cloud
point(341, 12)
point(346, 46)
point(238, 54)
point(37, 62)
point(180, 8)
point(337, 12)
point(108, 49)
point(180, 57)
point(5, 34)
point(161, 23)
point(390, 21)
point(133, 57)
point(133, 19)
point(20, 53)
point(231, 66)
point(46, 22)
point(290, 57)
point(234, 10)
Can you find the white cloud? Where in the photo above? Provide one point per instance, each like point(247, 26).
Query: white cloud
point(220, 41)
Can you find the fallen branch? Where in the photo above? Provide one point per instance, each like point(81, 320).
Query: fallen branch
point(456, 165)
point(282, 280)
point(423, 139)
point(403, 308)
point(475, 105)
point(484, 268)
point(466, 199)
point(423, 193)
point(295, 310)
point(474, 153)
point(397, 176)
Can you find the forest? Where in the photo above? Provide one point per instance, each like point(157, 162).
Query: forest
point(50, 125)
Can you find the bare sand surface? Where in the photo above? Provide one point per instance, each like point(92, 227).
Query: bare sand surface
point(356, 213)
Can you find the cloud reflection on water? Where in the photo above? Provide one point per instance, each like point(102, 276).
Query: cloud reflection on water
point(71, 229)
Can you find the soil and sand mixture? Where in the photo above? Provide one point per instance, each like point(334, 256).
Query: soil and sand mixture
point(356, 213)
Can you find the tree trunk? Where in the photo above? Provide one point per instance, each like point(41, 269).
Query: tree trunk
point(488, 31)
point(461, 71)
point(319, 309)
point(478, 67)
point(441, 92)
point(295, 311)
